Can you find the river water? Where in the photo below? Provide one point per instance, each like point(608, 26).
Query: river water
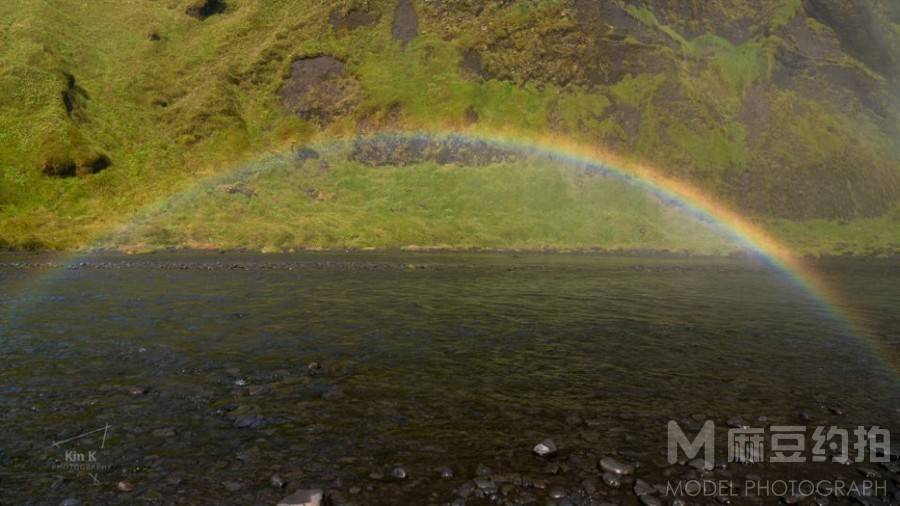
point(206, 377)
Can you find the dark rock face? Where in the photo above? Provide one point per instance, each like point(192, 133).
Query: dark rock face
point(319, 89)
point(202, 9)
point(405, 150)
point(406, 22)
point(859, 31)
point(64, 167)
point(352, 19)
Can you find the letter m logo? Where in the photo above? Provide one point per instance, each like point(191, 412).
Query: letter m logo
point(705, 440)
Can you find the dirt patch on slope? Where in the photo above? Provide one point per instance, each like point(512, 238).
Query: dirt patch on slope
point(403, 150)
point(352, 19)
point(406, 22)
point(319, 89)
point(202, 9)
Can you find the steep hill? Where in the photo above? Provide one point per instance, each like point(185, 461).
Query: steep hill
point(788, 110)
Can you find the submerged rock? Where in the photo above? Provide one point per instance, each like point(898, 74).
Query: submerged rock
point(546, 448)
point(614, 466)
point(311, 497)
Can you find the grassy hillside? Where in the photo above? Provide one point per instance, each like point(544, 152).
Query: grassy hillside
point(786, 109)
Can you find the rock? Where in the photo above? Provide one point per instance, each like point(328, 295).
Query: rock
point(376, 476)
point(641, 487)
point(277, 481)
point(589, 485)
point(486, 485)
point(557, 493)
point(164, 432)
point(612, 479)
point(303, 154)
point(232, 486)
point(241, 382)
point(248, 422)
point(354, 490)
point(399, 472)
point(202, 9)
point(614, 466)
point(258, 389)
point(311, 497)
point(701, 465)
point(406, 22)
point(546, 448)
point(70, 502)
point(319, 89)
point(737, 423)
point(137, 390)
point(483, 470)
point(445, 472)
point(124, 486)
point(649, 500)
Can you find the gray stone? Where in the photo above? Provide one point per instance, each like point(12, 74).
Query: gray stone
point(650, 500)
point(614, 466)
point(546, 448)
point(641, 487)
point(70, 502)
point(557, 492)
point(445, 472)
point(612, 479)
point(399, 472)
point(311, 497)
point(277, 481)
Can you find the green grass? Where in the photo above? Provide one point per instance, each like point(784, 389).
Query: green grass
point(203, 99)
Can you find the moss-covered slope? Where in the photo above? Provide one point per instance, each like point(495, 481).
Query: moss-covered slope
point(787, 109)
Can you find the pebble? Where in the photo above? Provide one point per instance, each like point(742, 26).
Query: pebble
point(232, 486)
point(700, 465)
point(399, 472)
point(311, 497)
point(445, 472)
point(557, 493)
point(546, 448)
point(650, 500)
point(641, 487)
point(241, 382)
point(614, 466)
point(70, 502)
point(137, 390)
point(164, 432)
point(124, 486)
point(611, 479)
point(277, 481)
point(247, 421)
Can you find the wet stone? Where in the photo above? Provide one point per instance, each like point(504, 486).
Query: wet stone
point(641, 487)
point(445, 472)
point(546, 448)
point(649, 500)
point(612, 479)
point(486, 485)
point(124, 486)
point(277, 481)
point(614, 466)
point(557, 493)
point(232, 486)
point(311, 497)
point(399, 473)
point(164, 432)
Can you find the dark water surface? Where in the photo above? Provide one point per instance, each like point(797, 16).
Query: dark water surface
point(201, 365)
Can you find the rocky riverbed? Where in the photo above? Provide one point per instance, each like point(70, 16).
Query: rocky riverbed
point(425, 380)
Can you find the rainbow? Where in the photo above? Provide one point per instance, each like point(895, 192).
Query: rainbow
point(743, 232)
